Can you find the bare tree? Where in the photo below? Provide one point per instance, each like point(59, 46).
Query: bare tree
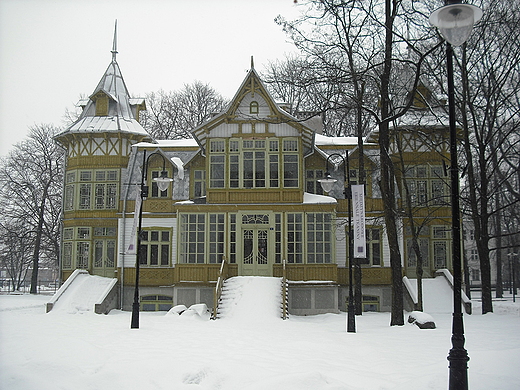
point(365, 46)
point(31, 180)
point(172, 115)
point(490, 114)
point(15, 256)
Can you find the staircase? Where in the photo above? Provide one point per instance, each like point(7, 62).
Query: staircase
point(251, 298)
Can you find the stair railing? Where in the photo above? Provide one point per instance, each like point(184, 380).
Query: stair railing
point(285, 313)
point(222, 276)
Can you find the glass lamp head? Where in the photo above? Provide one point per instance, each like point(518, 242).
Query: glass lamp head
point(455, 22)
point(327, 182)
point(163, 181)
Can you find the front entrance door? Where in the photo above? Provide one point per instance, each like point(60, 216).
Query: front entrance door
point(104, 258)
point(255, 247)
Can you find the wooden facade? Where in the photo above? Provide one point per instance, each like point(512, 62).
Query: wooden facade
point(246, 189)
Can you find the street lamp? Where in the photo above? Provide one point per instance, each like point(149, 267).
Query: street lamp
point(455, 22)
point(512, 270)
point(163, 181)
point(326, 184)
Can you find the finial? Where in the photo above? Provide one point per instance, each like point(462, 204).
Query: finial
point(114, 44)
point(252, 63)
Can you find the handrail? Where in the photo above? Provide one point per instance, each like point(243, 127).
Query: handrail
point(222, 275)
point(284, 291)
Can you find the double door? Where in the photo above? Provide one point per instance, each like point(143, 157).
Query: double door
point(256, 259)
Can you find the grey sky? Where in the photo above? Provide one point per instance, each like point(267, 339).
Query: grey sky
point(51, 51)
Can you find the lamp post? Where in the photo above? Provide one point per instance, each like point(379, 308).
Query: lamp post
point(326, 184)
point(455, 22)
point(162, 182)
point(512, 270)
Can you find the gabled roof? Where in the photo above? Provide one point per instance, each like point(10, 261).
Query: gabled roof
point(120, 114)
point(238, 111)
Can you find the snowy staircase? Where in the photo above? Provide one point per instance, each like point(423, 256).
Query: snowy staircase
point(250, 298)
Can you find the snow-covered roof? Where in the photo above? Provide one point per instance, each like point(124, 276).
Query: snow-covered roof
point(119, 116)
point(309, 198)
point(323, 140)
point(421, 118)
point(173, 143)
point(92, 124)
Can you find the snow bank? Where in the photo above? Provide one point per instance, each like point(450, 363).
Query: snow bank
point(437, 294)
point(199, 310)
point(82, 294)
point(83, 352)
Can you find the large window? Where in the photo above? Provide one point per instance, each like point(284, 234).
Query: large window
point(278, 238)
point(202, 238)
point(253, 163)
point(232, 238)
point(70, 179)
point(155, 248)
point(76, 248)
point(423, 248)
point(216, 238)
point(374, 244)
point(440, 244)
point(427, 185)
point(290, 170)
point(312, 185)
point(91, 190)
point(319, 238)
point(86, 247)
point(199, 183)
point(67, 255)
point(192, 238)
point(294, 238)
point(216, 169)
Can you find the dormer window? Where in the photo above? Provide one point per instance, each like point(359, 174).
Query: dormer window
point(101, 101)
point(253, 107)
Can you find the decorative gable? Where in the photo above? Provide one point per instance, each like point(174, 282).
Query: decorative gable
point(254, 113)
point(252, 100)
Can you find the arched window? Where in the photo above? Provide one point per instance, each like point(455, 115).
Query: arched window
point(253, 107)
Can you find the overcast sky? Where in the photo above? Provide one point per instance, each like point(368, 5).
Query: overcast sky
point(52, 51)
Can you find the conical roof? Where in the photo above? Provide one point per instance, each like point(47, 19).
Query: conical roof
point(119, 113)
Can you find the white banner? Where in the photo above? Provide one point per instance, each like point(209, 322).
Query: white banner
point(358, 206)
point(138, 200)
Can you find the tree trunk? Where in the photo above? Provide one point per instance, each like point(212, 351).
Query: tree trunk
point(36, 253)
point(388, 175)
point(478, 204)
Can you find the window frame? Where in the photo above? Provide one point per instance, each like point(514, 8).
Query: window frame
point(148, 243)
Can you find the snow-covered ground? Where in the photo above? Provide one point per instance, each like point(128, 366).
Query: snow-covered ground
point(245, 351)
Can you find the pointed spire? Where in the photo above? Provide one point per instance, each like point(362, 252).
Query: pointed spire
point(114, 44)
point(252, 63)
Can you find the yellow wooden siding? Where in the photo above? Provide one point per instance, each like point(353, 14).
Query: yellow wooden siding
point(370, 276)
point(157, 206)
point(89, 217)
point(149, 277)
point(201, 272)
point(371, 205)
point(254, 196)
point(306, 272)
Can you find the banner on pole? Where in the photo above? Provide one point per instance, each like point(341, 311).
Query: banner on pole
point(358, 205)
point(133, 236)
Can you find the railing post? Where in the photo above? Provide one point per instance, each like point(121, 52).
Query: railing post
point(222, 276)
point(284, 290)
